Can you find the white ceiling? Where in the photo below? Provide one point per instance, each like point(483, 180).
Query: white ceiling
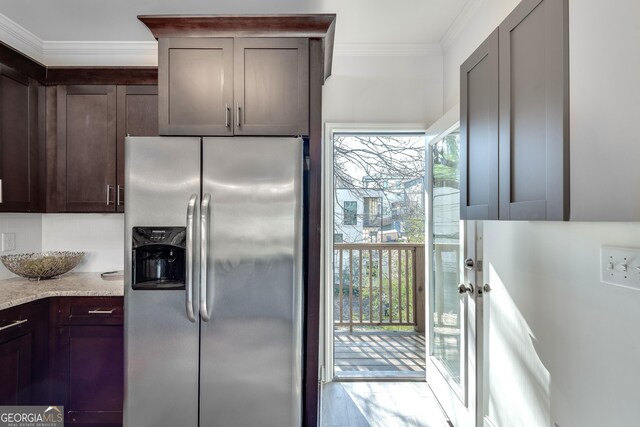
point(102, 33)
point(358, 21)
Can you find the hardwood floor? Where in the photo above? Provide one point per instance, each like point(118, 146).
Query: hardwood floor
point(380, 404)
point(379, 354)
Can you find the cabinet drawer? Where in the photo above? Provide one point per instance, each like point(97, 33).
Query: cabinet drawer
point(13, 323)
point(91, 311)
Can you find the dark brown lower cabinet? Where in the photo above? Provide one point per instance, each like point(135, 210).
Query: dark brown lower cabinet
point(24, 354)
point(65, 351)
point(15, 371)
point(91, 374)
point(90, 361)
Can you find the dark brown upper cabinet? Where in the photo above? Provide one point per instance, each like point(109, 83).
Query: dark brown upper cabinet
point(195, 80)
point(92, 123)
point(233, 86)
point(534, 129)
point(18, 142)
point(137, 107)
point(527, 175)
point(87, 148)
point(479, 132)
point(271, 86)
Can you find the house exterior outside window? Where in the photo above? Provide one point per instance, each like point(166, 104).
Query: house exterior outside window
point(350, 215)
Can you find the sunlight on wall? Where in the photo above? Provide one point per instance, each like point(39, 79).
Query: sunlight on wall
point(519, 383)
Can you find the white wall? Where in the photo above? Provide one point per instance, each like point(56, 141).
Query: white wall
point(100, 236)
point(566, 343)
point(563, 346)
point(469, 34)
point(604, 69)
point(403, 88)
point(28, 231)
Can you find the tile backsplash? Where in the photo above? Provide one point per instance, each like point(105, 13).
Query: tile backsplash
point(28, 231)
point(101, 236)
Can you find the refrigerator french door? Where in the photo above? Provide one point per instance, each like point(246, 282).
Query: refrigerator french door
point(213, 282)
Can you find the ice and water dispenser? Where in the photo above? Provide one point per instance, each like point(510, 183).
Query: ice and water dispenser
point(159, 258)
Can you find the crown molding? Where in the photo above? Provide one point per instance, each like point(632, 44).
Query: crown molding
point(100, 53)
point(21, 39)
point(387, 49)
point(129, 53)
point(459, 24)
point(77, 53)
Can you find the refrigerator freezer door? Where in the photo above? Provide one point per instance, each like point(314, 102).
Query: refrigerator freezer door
point(250, 360)
point(161, 344)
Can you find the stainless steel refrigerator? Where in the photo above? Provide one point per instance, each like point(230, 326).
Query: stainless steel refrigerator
point(213, 282)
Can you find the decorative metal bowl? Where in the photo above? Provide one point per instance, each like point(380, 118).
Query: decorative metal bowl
point(42, 265)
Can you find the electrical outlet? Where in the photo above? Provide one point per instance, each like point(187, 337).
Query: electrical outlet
point(620, 266)
point(8, 242)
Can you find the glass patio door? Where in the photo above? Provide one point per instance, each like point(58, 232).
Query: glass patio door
point(451, 255)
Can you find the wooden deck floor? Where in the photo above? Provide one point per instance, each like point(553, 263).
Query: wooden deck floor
point(379, 354)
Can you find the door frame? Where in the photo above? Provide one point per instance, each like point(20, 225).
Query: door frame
point(326, 365)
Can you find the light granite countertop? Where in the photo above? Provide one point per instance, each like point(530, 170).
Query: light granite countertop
point(18, 290)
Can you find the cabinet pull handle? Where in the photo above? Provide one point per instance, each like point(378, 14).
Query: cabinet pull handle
point(14, 324)
point(109, 202)
point(119, 200)
point(226, 115)
point(98, 311)
point(238, 114)
point(0, 191)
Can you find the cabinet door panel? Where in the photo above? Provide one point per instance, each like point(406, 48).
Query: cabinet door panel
point(18, 112)
point(15, 371)
point(92, 373)
point(137, 116)
point(87, 143)
point(479, 132)
point(533, 112)
point(271, 86)
point(195, 80)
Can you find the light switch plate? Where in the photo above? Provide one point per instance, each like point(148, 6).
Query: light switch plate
point(620, 266)
point(8, 242)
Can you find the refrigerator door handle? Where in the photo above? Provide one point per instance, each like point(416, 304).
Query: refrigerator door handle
point(189, 273)
point(204, 254)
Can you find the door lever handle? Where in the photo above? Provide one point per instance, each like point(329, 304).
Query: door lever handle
point(462, 288)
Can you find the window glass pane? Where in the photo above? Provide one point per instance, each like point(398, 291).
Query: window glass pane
point(447, 331)
point(350, 213)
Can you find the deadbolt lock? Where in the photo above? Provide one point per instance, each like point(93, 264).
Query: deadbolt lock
point(468, 263)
